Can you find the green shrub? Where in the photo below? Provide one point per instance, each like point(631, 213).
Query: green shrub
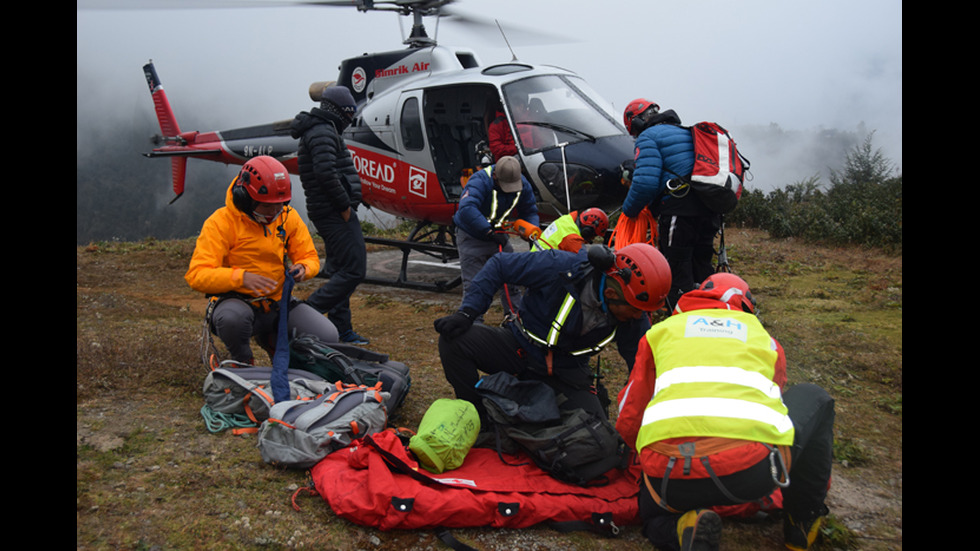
point(862, 206)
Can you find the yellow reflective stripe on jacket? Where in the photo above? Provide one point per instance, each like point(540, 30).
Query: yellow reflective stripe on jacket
point(714, 378)
point(493, 219)
point(556, 326)
point(598, 347)
point(730, 411)
point(731, 375)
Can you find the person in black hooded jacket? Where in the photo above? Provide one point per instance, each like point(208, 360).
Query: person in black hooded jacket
point(333, 193)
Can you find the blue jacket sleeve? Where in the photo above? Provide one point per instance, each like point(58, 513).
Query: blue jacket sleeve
point(469, 215)
point(530, 269)
point(646, 186)
point(663, 152)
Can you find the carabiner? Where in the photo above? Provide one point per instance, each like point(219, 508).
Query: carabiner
point(773, 453)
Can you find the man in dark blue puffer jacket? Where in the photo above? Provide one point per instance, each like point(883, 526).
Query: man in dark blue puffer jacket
point(686, 227)
point(333, 193)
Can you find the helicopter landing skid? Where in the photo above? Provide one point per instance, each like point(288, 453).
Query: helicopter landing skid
point(442, 251)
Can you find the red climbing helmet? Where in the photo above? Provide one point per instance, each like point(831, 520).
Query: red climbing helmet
point(634, 109)
point(266, 180)
point(593, 220)
point(730, 289)
point(261, 180)
point(644, 275)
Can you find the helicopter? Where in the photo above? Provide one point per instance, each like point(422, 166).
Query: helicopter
point(421, 130)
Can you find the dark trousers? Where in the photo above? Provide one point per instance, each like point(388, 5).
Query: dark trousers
point(490, 350)
point(688, 244)
point(473, 254)
point(345, 265)
point(812, 412)
point(235, 322)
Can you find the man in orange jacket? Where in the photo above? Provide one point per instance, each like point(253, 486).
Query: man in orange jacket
point(707, 411)
point(241, 258)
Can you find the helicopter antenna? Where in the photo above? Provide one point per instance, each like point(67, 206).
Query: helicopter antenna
point(514, 56)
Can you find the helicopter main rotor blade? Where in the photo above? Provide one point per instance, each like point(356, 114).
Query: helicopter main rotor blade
point(426, 7)
point(492, 29)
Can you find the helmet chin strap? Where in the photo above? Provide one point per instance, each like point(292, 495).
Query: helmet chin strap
point(265, 220)
point(602, 294)
point(261, 219)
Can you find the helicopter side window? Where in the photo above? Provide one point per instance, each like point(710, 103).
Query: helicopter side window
point(411, 125)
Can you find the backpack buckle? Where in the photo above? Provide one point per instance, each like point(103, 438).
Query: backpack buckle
point(687, 451)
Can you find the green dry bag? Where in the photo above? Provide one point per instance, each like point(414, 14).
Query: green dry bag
point(446, 433)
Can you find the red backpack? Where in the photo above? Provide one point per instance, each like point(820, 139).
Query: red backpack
point(719, 169)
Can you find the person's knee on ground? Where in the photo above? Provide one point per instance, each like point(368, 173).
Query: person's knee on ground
point(232, 321)
point(811, 409)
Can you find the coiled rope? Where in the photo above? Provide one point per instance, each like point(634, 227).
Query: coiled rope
point(642, 229)
point(217, 422)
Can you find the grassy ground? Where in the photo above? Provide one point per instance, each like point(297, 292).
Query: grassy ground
point(150, 476)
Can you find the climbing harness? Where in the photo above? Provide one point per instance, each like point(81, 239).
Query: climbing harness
point(678, 187)
point(779, 462)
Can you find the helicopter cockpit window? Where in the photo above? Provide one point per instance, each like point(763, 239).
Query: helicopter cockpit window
point(411, 125)
point(551, 110)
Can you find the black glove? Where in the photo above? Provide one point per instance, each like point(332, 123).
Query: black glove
point(455, 325)
point(499, 238)
point(626, 170)
point(601, 257)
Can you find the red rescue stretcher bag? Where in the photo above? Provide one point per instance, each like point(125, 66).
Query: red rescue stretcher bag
point(376, 482)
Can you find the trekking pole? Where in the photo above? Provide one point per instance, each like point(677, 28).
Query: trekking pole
point(599, 389)
point(723, 265)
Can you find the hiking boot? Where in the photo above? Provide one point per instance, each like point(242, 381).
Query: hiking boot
point(699, 530)
point(799, 535)
point(350, 337)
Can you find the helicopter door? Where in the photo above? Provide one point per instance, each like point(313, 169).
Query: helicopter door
point(415, 168)
point(455, 124)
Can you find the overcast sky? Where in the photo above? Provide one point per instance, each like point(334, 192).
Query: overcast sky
point(831, 64)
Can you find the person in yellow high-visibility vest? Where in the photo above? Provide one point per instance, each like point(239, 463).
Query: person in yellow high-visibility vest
point(573, 231)
point(706, 410)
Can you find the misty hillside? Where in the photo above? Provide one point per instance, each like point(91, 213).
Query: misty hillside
point(123, 195)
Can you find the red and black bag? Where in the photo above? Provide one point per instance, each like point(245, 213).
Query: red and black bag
point(719, 169)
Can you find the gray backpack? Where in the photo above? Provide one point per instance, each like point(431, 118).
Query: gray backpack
point(299, 433)
point(241, 389)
